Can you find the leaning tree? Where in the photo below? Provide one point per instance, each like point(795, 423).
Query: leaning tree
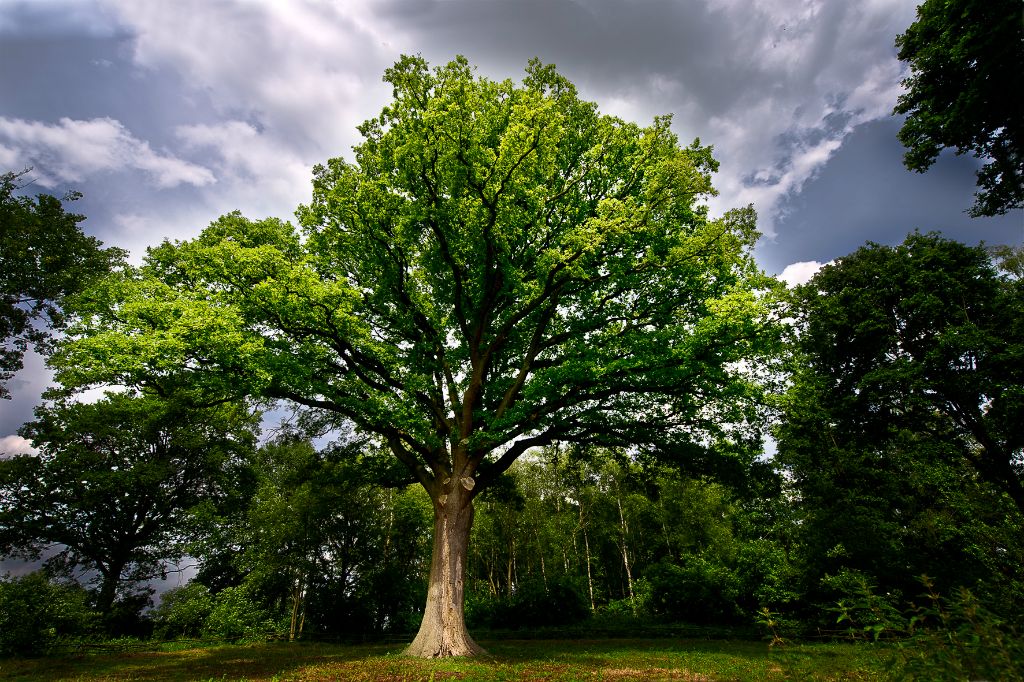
point(500, 268)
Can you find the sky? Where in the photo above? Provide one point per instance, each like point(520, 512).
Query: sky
point(166, 115)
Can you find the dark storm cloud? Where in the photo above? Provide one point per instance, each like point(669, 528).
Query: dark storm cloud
point(195, 108)
point(865, 193)
point(604, 47)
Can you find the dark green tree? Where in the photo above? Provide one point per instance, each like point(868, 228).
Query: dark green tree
point(926, 336)
point(901, 429)
point(45, 257)
point(113, 484)
point(963, 92)
point(501, 268)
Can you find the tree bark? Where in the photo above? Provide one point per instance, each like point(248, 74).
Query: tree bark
point(443, 629)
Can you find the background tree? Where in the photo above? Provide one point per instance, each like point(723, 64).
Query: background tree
point(322, 538)
point(901, 429)
point(114, 482)
point(502, 268)
point(965, 58)
point(45, 257)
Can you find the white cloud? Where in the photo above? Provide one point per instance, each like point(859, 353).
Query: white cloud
point(72, 150)
point(305, 71)
point(817, 71)
point(255, 168)
point(801, 272)
point(15, 445)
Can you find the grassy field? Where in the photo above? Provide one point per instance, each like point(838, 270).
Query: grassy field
point(630, 659)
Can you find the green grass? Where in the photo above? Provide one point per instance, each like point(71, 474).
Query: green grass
point(562, 660)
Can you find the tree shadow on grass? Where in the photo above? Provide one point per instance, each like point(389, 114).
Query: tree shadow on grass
point(230, 662)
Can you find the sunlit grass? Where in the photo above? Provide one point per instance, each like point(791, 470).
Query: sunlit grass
point(563, 660)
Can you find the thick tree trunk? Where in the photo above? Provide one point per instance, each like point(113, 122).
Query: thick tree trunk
point(110, 578)
point(443, 629)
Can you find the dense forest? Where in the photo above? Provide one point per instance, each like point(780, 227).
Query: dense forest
point(530, 384)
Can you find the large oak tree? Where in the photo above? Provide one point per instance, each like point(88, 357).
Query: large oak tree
point(501, 267)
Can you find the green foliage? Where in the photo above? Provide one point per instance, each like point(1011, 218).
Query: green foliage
point(560, 602)
point(767, 577)
point(335, 551)
point(115, 483)
point(956, 638)
point(965, 58)
point(900, 430)
point(698, 591)
point(501, 265)
point(45, 258)
point(182, 611)
point(238, 613)
point(864, 613)
point(36, 613)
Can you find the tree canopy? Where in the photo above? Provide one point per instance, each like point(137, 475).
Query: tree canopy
point(965, 58)
point(924, 338)
point(45, 257)
point(501, 267)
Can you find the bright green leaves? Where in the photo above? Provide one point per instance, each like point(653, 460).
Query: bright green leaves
point(500, 262)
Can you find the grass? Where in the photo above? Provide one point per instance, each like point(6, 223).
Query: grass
point(552, 660)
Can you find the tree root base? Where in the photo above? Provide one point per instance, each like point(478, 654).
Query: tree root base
point(444, 649)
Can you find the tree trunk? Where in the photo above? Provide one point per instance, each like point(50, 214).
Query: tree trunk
point(110, 575)
point(625, 552)
point(443, 629)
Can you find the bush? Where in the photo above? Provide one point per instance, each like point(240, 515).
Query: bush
point(533, 605)
point(958, 638)
point(866, 614)
point(699, 591)
point(237, 614)
point(766, 576)
point(36, 613)
point(182, 611)
point(560, 603)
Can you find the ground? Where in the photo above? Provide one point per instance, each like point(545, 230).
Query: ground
point(553, 660)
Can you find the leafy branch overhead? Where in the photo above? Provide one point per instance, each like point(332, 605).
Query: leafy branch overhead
point(965, 58)
point(45, 257)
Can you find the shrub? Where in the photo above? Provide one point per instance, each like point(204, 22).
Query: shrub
point(958, 638)
point(561, 602)
point(36, 613)
point(698, 591)
point(238, 614)
point(866, 614)
point(182, 611)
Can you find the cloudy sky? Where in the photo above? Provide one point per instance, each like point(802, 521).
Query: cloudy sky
point(169, 114)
